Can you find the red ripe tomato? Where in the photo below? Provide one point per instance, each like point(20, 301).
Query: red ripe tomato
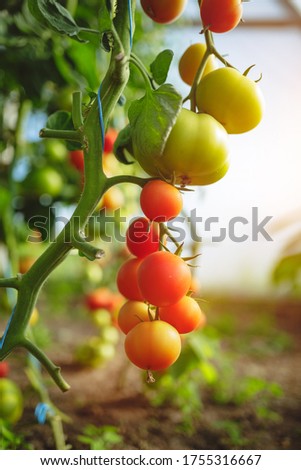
point(131, 314)
point(164, 278)
point(4, 369)
point(127, 280)
point(110, 137)
point(101, 298)
point(220, 16)
point(153, 345)
point(76, 158)
point(163, 11)
point(185, 315)
point(142, 237)
point(160, 201)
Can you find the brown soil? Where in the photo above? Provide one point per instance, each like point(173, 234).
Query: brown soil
point(114, 394)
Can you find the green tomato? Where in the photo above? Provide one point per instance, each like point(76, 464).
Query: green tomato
point(101, 318)
point(231, 98)
point(56, 150)
point(45, 180)
point(196, 151)
point(110, 334)
point(11, 401)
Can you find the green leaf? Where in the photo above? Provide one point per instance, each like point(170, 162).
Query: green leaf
point(160, 66)
point(60, 120)
point(50, 13)
point(152, 118)
point(123, 146)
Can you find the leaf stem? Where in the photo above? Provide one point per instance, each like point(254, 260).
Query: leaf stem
point(12, 282)
point(114, 180)
point(75, 136)
point(134, 59)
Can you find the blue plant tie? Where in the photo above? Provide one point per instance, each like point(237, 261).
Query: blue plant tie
point(41, 411)
point(7, 328)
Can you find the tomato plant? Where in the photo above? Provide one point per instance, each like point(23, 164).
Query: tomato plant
point(163, 11)
point(153, 345)
point(131, 314)
point(220, 16)
point(178, 146)
point(160, 201)
point(11, 401)
point(191, 60)
point(185, 315)
point(163, 278)
point(127, 279)
point(142, 237)
point(231, 98)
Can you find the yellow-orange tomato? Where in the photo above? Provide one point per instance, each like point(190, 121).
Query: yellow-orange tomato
point(112, 200)
point(131, 314)
point(153, 345)
point(232, 98)
point(191, 60)
point(163, 11)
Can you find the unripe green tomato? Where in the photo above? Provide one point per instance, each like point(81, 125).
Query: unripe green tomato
point(231, 98)
point(110, 334)
point(11, 401)
point(45, 180)
point(196, 151)
point(56, 150)
point(101, 317)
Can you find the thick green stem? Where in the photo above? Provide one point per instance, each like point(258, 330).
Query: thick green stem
point(95, 185)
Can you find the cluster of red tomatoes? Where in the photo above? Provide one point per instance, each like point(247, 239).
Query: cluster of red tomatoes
point(156, 283)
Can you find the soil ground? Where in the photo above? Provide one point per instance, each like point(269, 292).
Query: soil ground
point(114, 394)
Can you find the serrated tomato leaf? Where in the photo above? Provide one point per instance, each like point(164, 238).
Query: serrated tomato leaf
point(55, 16)
point(152, 118)
point(160, 66)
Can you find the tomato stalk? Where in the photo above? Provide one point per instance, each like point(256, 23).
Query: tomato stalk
point(210, 50)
